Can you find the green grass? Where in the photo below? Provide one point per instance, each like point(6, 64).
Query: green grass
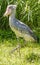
point(29, 55)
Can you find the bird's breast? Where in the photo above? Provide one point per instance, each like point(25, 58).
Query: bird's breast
point(14, 28)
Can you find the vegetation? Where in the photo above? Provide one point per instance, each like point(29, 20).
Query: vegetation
point(28, 11)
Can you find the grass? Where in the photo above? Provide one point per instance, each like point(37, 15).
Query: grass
point(29, 55)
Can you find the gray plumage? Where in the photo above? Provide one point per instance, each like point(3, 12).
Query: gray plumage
point(20, 29)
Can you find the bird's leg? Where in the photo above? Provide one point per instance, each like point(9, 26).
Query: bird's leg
point(19, 46)
point(16, 48)
point(13, 50)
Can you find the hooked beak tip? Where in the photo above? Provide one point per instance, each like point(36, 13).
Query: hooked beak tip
point(4, 15)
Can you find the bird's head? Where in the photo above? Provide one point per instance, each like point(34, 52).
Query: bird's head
point(10, 9)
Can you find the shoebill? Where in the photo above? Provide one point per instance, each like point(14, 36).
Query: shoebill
point(20, 29)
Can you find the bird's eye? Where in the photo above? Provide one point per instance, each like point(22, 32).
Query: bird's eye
point(9, 7)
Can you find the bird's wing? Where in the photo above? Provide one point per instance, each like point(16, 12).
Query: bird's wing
point(23, 28)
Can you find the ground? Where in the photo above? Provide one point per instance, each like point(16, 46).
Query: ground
point(29, 55)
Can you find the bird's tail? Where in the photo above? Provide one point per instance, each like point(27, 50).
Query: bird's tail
point(35, 37)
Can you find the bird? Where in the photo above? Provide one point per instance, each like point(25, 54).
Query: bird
point(20, 29)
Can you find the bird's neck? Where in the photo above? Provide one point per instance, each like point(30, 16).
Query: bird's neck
point(13, 14)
